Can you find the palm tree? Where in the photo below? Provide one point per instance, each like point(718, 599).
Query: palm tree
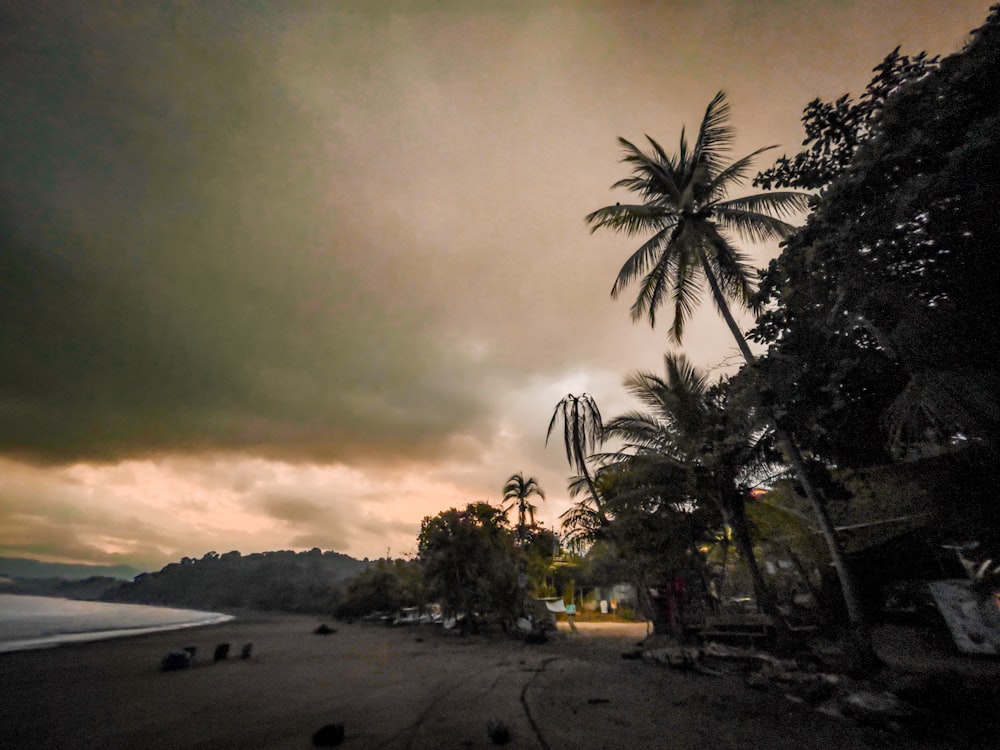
point(582, 432)
point(686, 427)
point(689, 216)
point(583, 522)
point(517, 490)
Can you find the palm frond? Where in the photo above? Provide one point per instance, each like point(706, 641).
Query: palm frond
point(666, 159)
point(582, 427)
point(715, 137)
point(647, 388)
point(684, 377)
point(732, 269)
point(734, 174)
point(754, 227)
point(655, 247)
point(686, 293)
point(654, 178)
point(638, 430)
point(629, 219)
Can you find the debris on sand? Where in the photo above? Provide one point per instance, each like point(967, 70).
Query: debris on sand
point(330, 735)
point(498, 732)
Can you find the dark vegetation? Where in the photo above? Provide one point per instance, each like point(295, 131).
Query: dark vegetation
point(866, 432)
point(307, 582)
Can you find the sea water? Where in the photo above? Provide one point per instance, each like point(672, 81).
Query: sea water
point(28, 622)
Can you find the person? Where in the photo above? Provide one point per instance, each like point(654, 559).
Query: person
point(571, 616)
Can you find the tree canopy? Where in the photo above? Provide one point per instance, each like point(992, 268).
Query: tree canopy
point(879, 332)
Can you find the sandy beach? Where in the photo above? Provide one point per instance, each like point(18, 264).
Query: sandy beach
point(398, 688)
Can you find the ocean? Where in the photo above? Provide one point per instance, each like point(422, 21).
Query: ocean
point(28, 622)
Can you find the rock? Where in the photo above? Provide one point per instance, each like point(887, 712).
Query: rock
point(247, 651)
point(175, 660)
point(221, 652)
point(498, 732)
point(330, 735)
point(324, 629)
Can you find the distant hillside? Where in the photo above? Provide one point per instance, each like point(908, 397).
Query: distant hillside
point(88, 588)
point(21, 567)
point(286, 581)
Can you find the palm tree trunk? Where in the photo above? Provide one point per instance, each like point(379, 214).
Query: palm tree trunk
point(599, 507)
point(859, 632)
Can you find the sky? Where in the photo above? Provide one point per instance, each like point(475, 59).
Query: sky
point(299, 274)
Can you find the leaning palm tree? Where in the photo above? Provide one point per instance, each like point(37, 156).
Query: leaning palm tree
point(516, 492)
point(689, 218)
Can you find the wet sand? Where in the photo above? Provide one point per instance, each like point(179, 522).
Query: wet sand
point(395, 688)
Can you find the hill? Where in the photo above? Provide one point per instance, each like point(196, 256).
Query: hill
point(22, 567)
point(286, 581)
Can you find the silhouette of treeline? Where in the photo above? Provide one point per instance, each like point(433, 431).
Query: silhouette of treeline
point(286, 581)
point(23, 567)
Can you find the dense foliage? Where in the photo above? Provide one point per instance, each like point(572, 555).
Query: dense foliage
point(469, 562)
point(287, 581)
point(880, 328)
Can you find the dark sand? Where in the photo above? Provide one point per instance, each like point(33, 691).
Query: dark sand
point(400, 688)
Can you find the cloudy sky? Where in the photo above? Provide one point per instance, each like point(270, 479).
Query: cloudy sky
point(297, 274)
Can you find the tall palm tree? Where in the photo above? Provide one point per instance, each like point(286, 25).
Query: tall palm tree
point(583, 431)
point(687, 211)
point(516, 492)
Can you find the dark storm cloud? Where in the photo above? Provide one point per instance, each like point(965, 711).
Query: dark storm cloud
point(179, 272)
point(332, 256)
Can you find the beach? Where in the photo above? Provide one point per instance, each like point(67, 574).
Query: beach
point(406, 687)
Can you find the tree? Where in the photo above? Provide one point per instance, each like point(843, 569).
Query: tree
point(835, 130)
point(516, 492)
point(657, 532)
point(718, 454)
point(582, 432)
point(468, 561)
point(386, 587)
point(687, 209)
point(878, 333)
point(688, 213)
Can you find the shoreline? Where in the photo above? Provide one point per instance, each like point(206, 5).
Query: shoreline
point(67, 639)
point(51, 621)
